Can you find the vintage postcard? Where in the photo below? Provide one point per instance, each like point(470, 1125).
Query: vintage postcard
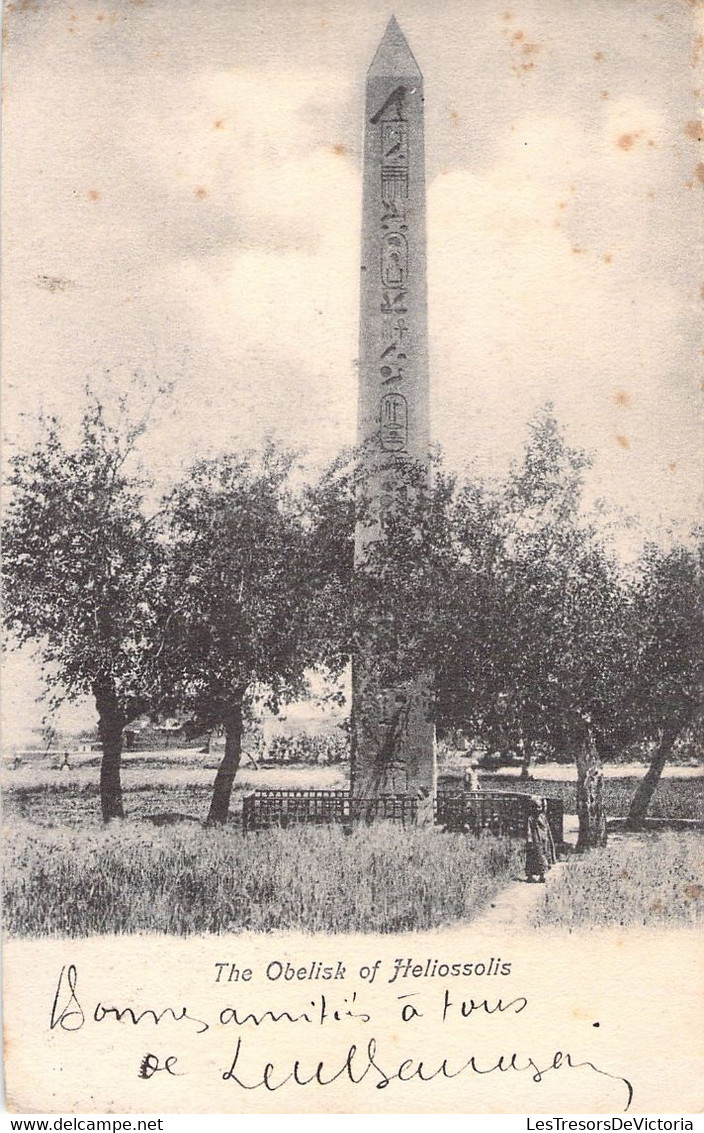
point(352, 547)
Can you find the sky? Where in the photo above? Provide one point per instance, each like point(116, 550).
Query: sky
point(182, 199)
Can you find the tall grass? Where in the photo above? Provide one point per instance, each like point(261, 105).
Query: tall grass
point(185, 879)
point(674, 798)
point(644, 880)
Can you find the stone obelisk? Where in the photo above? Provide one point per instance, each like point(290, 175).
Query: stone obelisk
point(393, 737)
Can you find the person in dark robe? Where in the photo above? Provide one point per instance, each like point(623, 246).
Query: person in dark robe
point(540, 848)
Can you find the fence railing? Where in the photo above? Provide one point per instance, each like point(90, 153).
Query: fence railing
point(265, 808)
point(500, 812)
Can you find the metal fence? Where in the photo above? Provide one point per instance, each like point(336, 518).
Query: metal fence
point(500, 812)
point(265, 808)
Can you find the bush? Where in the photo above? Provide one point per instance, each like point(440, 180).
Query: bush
point(304, 748)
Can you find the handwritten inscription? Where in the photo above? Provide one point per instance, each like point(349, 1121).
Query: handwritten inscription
point(367, 1061)
point(359, 1063)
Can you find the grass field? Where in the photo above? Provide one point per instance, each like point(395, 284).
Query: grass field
point(180, 782)
point(183, 879)
point(66, 874)
point(674, 798)
point(648, 879)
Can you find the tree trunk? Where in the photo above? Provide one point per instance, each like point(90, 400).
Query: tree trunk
point(527, 753)
point(646, 788)
point(222, 790)
point(111, 721)
point(590, 796)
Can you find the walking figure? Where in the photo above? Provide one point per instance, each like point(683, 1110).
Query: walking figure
point(540, 848)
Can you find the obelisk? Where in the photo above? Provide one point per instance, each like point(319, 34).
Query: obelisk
point(393, 737)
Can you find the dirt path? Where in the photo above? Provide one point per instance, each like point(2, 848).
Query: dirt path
point(513, 905)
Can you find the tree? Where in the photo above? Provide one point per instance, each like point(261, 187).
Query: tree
point(668, 676)
point(238, 589)
point(540, 611)
point(82, 575)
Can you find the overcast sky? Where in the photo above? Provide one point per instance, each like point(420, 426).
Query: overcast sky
point(182, 196)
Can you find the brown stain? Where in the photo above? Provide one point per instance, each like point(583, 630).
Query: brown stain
point(201, 193)
point(562, 204)
point(577, 251)
point(94, 195)
point(622, 442)
point(607, 257)
point(339, 150)
point(622, 399)
point(626, 142)
point(598, 56)
point(701, 291)
point(672, 466)
point(699, 172)
point(651, 195)
point(693, 130)
point(455, 118)
point(517, 36)
point(656, 906)
point(507, 16)
point(219, 124)
point(604, 94)
point(100, 17)
point(694, 892)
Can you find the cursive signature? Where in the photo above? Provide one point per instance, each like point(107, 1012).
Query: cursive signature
point(360, 1063)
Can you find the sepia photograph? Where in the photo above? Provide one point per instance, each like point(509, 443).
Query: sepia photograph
point(352, 545)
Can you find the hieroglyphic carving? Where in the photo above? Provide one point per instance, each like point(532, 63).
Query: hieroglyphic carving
point(393, 332)
point(394, 422)
point(391, 110)
point(394, 267)
point(394, 260)
point(394, 144)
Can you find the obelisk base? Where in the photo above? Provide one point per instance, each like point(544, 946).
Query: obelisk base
point(393, 742)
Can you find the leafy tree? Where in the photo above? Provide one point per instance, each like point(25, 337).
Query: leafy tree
point(539, 609)
point(665, 694)
point(82, 575)
point(238, 588)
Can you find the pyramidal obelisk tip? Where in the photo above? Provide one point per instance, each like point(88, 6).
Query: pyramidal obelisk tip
point(393, 55)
